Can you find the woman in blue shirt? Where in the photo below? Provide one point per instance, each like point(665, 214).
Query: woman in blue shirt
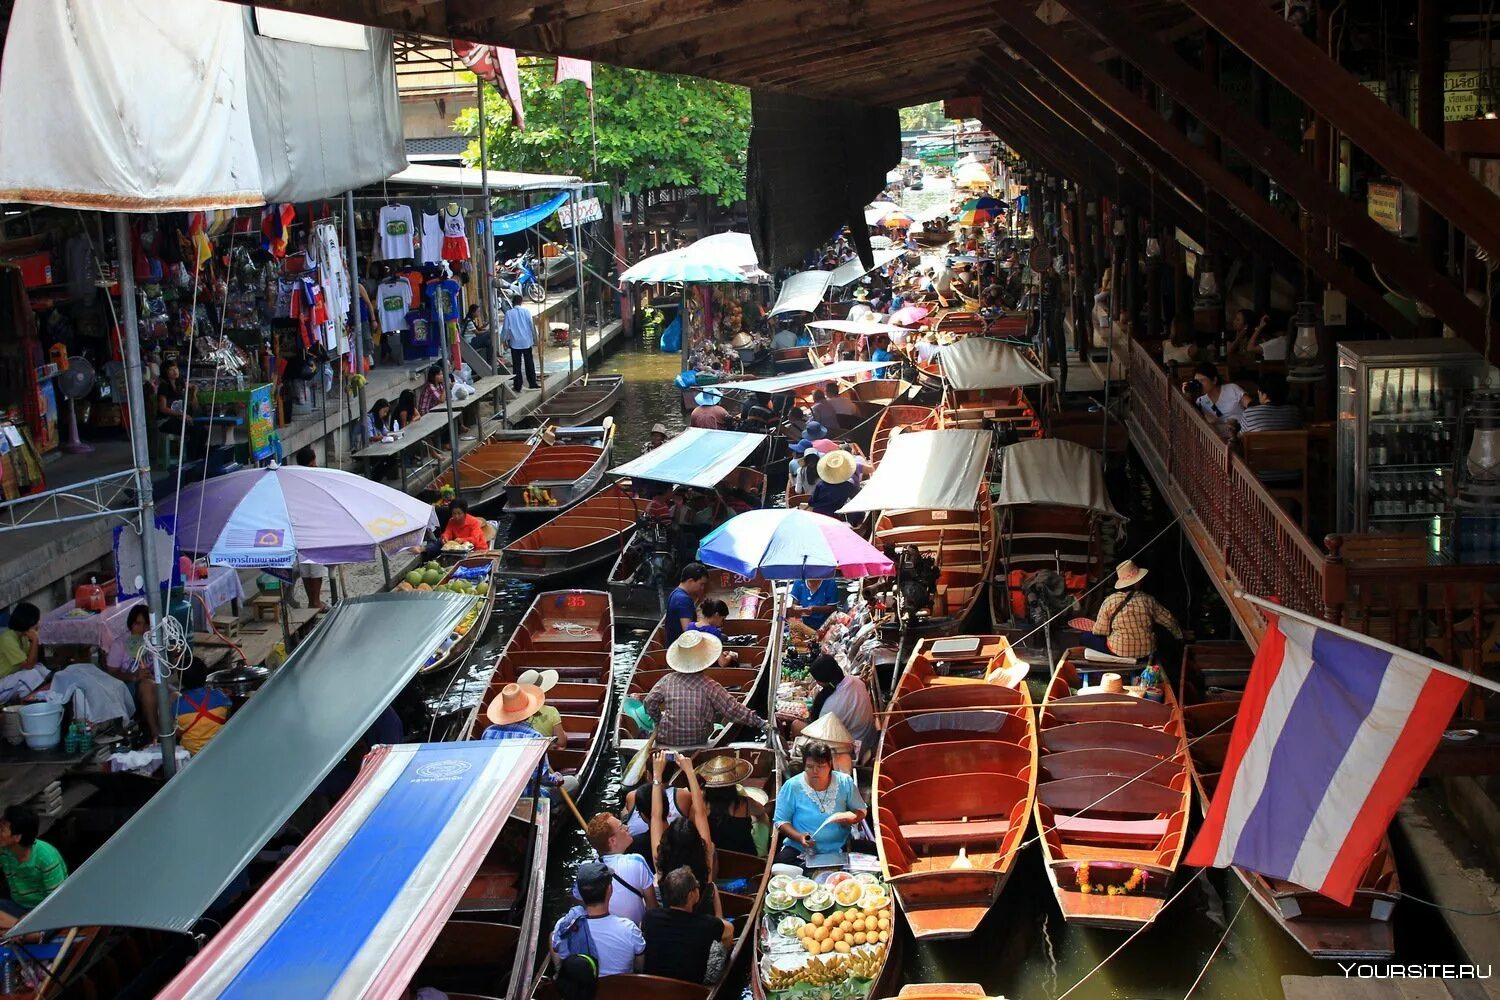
point(813, 594)
point(711, 615)
point(818, 809)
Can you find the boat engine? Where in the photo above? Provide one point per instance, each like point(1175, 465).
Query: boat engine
point(651, 552)
point(916, 580)
point(1046, 595)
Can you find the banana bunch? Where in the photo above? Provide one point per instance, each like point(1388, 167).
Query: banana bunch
point(866, 963)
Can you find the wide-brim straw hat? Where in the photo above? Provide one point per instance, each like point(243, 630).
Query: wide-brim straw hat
point(1128, 574)
point(694, 652)
point(545, 680)
point(515, 703)
point(830, 729)
point(836, 467)
point(722, 769)
point(660, 429)
point(861, 295)
point(741, 340)
point(1108, 684)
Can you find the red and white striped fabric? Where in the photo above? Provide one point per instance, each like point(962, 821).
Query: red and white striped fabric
point(1331, 735)
point(497, 66)
point(575, 69)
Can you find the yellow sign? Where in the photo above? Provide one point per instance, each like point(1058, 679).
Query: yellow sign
point(1383, 202)
point(1462, 95)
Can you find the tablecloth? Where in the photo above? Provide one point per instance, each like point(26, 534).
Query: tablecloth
point(221, 586)
point(61, 627)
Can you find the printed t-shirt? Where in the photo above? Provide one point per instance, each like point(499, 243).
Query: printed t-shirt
point(393, 299)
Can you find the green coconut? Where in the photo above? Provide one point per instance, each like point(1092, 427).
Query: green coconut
point(415, 577)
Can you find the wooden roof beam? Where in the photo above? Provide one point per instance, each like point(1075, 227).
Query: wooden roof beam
point(1060, 61)
point(1268, 153)
point(812, 49)
point(1308, 72)
point(941, 59)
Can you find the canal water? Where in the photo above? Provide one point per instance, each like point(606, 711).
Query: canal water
point(1023, 949)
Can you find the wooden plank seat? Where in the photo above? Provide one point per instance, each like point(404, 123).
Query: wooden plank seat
point(952, 809)
point(591, 634)
point(969, 757)
point(1127, 763)
point(974, 694)
point(1109, 793)
point(1103, 707)
point(1109, 736)
point(1096, 830)
point(948, 727)
point(922, 835)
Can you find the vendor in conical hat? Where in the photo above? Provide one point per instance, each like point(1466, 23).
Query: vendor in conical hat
point(510, 712)
point(1127, 620)
point(686, 703)
point(733, 807)
point(842, 699)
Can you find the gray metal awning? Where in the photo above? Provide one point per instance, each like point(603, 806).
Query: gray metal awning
point(801, 292)
point(926, 470)
point(852, 270)
point(171, 860)
point(699, 457)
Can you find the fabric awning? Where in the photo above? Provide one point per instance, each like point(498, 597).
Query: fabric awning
point(813, 376)
point(171, 860)
point(722, 257)
point(471, 178)
point(698, 457)
point(852, 270)
point(353, 912)
point(929, 470)
point(801, 292)
point(858, 327)
point(984, 363)
point(1053, 471)
point(515, 222)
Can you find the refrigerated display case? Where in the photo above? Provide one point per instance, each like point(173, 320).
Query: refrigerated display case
point(1398, 428)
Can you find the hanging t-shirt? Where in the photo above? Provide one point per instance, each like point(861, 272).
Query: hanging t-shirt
point(392, 300)
point(445, 295)
point(455, 235)
point(395, 230)
point(432, 238)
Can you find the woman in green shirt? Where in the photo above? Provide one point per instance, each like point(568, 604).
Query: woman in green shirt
point(547, 720)
point(32, 867)
point(20, 643)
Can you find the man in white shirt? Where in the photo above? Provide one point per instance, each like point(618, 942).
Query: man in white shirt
point(518, 332)
point(614, 942)
point(633, 892)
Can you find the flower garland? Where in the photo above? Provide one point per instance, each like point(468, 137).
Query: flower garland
point(1136, 881)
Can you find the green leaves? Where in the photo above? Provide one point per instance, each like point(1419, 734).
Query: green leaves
point(652, 130)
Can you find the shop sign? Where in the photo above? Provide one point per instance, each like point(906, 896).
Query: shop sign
point(589, 210)
point(1463, 92)
point(1383, 202)
point(260, 422)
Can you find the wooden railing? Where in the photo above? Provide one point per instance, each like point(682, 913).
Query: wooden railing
point(1389, 588)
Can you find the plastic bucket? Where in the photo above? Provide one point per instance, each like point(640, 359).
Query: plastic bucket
point(10, 725)
point(41, 725)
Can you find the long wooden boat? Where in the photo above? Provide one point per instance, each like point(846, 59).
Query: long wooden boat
point(484, 471)
point(748, 874)
point(456, 647)
point(1112, 805)
point(555, 477)
point(1008, 411)
point(581, 402)
point(955, 782)
point(902, 416)
point(786, 360)
point(587, 535)
point(943, 991)
point(963, 545)
point(572, 632)
point(754, 631)
point(644, 572)
point(1213, 680)
point(881, 390)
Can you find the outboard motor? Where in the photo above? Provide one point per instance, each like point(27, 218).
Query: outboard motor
point(1046, 595)
point(916, 581)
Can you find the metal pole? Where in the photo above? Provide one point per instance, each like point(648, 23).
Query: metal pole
point(136, 403)
point(487, 238)
point(583, 321)
point(358, 339)
point(444, 349)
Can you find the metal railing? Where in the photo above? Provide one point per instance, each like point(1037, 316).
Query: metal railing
point(113, 495)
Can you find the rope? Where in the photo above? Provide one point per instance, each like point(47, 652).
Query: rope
point(1121, 947)
point(1449, 909)
point(1214, 954)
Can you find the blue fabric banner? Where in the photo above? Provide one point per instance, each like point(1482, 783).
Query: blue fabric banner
point(527, 217)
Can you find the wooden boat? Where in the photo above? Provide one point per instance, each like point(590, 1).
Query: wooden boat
point(484, 471)
point(741, 905)
point(1100, 431)
point(960, 323)
point(1212, 682)
point(961, 542)
point(1008, 411)
point(906, 417)
point(880, 390)
point(555, 477)
point(472, 625)
point(644, 572)
point(1113, 801)
point(589, 534)
point(954, 790)
point(786, 360)
point(572, 632)
point(754, 632)
point(943, 991)
point(582, 402)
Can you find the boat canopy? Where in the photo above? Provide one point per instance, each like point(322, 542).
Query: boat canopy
point(852, 270)
point(1053, 471)
point(857, 327)
point(801, 292)
point(170, 861)
point(927, 470)
point(358, 905)
point(699, 457)
point(722, 257)
point(813, 376)
point(985, 363)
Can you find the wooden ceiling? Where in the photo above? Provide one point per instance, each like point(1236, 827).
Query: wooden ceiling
point(879, 52)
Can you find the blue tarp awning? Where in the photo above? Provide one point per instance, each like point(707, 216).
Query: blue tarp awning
point(699, 456)
point(515, 222)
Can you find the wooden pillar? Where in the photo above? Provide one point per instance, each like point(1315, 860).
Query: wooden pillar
point(1131, 290)
point(1211, 70)
point(1322, 144)
point(1260, 108)
point(1083, 276)
point(1432, 228)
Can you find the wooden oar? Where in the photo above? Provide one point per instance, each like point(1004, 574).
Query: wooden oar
point(573, 808)
point(636, 768)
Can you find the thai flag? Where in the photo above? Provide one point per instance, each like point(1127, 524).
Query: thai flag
point(1331, 735)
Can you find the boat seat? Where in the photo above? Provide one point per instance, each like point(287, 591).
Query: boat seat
point(574, 706)
point(547, 638)
point(938, 834)
point(1112, 831)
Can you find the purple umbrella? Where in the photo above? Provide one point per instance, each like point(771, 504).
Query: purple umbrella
point(279, 516)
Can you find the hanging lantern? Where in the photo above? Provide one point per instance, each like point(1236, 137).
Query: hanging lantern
point(1306, 346)
point(1208, 284)
point(1153, 250)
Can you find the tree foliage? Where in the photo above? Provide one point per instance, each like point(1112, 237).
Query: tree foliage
point(919, 117)
point(653, 130)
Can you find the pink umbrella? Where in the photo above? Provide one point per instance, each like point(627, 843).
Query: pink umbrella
point(909, 315)
point(791, 545)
